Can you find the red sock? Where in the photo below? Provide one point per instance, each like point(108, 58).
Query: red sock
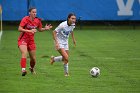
point(23, 62)
point(32, 63)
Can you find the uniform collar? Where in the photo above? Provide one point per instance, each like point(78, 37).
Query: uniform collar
point(71, 24)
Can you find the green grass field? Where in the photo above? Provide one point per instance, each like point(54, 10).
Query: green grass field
point(115, 52)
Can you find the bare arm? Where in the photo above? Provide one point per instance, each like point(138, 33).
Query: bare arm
point(55, 40)
point(73, 38)
point(54, 36)
point(47, 27)
point(21, 29)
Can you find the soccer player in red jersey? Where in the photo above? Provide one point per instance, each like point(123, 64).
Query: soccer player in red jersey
point(28, 27)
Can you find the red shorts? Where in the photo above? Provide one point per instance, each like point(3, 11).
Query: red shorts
point(29, 43)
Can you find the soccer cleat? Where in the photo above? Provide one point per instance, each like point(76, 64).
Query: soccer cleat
point(24, 72)
point(32, 70)
point(52, 60)
point(66, 74)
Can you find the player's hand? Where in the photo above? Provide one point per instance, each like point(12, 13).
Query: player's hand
point(48, 27)
point(57, 46)
point(33, 31)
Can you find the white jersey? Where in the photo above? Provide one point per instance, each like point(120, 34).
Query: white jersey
point(63, 31)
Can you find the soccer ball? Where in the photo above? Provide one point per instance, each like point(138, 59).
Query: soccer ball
point(95, 72)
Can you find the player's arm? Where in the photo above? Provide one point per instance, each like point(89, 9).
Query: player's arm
point(21, 29)
point(23, 23)
point(47, 27)
point(55, 39)
point(58, 29)
point(73, 38)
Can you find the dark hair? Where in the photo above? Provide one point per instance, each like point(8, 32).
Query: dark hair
point(70, 14)
point(31, 8)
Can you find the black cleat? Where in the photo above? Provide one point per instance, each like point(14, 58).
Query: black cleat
point(24, 73)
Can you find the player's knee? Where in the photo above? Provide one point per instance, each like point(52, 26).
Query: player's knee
point(24, 54)
point(66, 58)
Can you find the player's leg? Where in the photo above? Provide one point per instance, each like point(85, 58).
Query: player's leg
point(56, 58)
point(59, 58)
point(32, 55)
point(66, 65)
point(23, 50)
point(65, 56)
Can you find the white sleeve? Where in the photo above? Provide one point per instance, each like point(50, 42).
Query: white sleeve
point(59, 28)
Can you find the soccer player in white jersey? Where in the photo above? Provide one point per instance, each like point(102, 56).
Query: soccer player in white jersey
point(60, 36)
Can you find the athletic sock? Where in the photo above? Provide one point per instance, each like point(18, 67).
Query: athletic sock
point(58, 59)
point(23, 63)
point(66, 68)
point(23, 69)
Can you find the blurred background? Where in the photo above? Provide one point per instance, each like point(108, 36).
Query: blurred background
point(97, 14)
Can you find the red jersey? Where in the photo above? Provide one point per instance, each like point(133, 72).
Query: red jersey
point(29, 24)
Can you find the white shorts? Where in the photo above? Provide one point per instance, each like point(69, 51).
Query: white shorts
point(65, 46)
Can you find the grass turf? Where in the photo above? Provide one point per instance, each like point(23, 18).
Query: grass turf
point(115, 52)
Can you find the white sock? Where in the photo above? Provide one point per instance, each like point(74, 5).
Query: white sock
point(58, 59)
point(23, 69)
point(66, 68)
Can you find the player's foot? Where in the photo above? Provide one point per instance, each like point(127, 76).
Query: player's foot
point(66, 74)
point(24, 72)
point(52, 60)
point(32, 70)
